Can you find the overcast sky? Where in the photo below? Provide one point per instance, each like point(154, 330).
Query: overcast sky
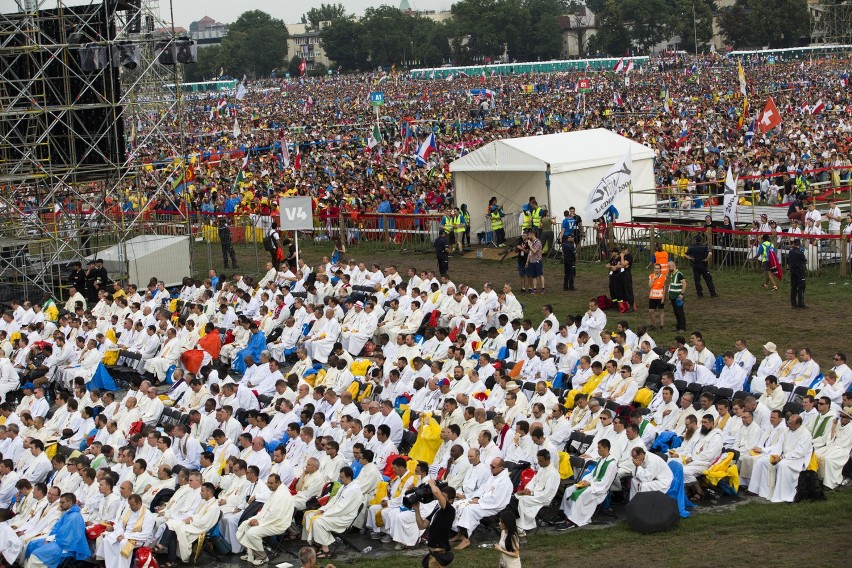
point(187, 11)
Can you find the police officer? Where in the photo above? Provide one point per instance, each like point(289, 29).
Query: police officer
point(698, 253)
point(227, 244)
point(495, 214)
point(797, 263)
point(569, 260)
point(442, 252)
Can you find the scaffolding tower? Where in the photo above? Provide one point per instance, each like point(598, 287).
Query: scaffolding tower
point(83, 113)
point(831, 22)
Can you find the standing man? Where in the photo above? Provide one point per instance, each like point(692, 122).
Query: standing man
point(439, 524)
point(677, 281)
point(496, 214)
point(227, 244)
point(534, 268)
point(459, 228)
point(699, 254)
point(442, 252)
point(569, 260)
point(797, 263)
point(834, 217)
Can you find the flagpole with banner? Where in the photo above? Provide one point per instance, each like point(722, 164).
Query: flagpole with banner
point(617, 180)
point(729, 206)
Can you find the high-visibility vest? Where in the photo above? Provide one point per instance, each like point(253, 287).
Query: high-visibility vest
point(676, 284)
point(536, 217)
point(662, 258)
point(448, 224)
point(459, 224)
point(496, 221)
point(466, 219)
point(658, 286)
point(528, 220)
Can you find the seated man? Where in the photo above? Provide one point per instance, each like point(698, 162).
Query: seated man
point(776, 473)
point(582, 499)
point(274, 518)
point(390, 505)
point(179, 536)
point(652, 473)
point(133, 529)
point(490, 499)
point(538, 493)
point(700, 450)
point(67, 539)
point(334, 517)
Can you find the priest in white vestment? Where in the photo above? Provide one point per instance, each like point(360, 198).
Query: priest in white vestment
point(776, 473)
point(133, 529)
point(651, 472)
point(336, 516)
point(186, 532)
point(703, 453)
point(323, 336)
point(538, 493)
point(581, 499)
point(274, 518)
point(489, 500)
point(834, 455)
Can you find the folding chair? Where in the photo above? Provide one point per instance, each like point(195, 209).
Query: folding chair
point(340, 538)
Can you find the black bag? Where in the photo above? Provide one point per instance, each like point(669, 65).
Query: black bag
point(269, 243)
point(810, 487)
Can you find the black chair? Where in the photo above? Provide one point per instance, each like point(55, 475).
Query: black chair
point(662, 352)
point(787, 387)
point(799, 393)
point(724, 393)
point(340, 538)
point(408, 439)
point(680, 385)
point(741, 394)
point(264, 400)
point(611, 406)
point(586, 442)
point(712, 389)
point(572, 446)
point(792, 407)
point(694, 388)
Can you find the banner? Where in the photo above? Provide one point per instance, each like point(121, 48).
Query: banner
point(730, 202)
point(616, 181)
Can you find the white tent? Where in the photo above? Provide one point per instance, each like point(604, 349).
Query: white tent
point(515, 169)
point(165, 257)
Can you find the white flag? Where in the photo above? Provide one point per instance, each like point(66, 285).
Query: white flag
point(237, 130)
point(616, 181)
point(730, 201)
point(285, 153)
point(241, 92)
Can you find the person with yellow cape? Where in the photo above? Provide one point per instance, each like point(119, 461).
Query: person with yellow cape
point(581, 499)
point(134, 528)
point(379, 515)
point(428, 439)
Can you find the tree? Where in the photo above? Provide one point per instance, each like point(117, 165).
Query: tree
point(647, 21)
point(208, 64)
point(546, 37)
point(343, 41)
point(613, 37)
point(681, 22)
point(735, 23)
point(325, 13)
point(780, 23)
point(255, 45)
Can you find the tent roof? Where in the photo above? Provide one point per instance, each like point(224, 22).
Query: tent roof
point(565, 151)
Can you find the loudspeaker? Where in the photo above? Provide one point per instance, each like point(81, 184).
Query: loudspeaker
point(93, 57)
point(165, 51)
point(186, 51)
point(651, 512)
point(126, 54)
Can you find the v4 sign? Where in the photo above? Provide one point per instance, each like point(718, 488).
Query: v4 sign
point(296, 213)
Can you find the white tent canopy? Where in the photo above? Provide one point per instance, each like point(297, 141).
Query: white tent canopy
point(166, 257)
point(515, 169)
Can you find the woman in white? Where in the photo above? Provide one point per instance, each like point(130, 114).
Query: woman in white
point(509, 545)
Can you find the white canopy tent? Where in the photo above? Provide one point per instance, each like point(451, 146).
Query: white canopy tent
point(515, 169)
point(163, 256)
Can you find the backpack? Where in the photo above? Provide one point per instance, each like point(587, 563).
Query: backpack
point(604, 303)
point(269, 243)
point(809, 487)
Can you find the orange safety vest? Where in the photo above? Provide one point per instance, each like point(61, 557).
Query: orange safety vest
point(658, 286)
point(662, 258)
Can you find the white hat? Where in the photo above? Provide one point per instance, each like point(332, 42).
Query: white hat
point(771, 347)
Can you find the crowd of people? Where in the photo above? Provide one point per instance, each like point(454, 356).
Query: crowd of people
point(317, 400)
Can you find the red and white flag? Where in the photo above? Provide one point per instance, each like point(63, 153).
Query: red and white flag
point(303, 66)
point(616, 99)
point(629, 67)
point(769, 118)
point(818, 107)
point(619, 67)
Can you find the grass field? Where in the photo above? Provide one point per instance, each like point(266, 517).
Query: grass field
point(780, 535)
point(743, 310)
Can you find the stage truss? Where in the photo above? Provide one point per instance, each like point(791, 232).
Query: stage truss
point(65, 197)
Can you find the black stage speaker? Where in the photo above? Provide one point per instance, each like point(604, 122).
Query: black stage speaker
point(652, 512)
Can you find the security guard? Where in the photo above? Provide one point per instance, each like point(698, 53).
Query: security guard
point(526, 218)
point(447, 227)
point(569, 260)
point(496, 214)
point(459, 228)
point(698, 253)
point(537, 214)
point(797, 262)
point(442, 250)
point(466, 214)
point(677, 281)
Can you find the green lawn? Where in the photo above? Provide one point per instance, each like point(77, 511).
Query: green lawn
point(800, 534)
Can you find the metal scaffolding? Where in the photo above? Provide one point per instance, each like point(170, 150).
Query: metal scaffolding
point(83, 114)
point(831, 22)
